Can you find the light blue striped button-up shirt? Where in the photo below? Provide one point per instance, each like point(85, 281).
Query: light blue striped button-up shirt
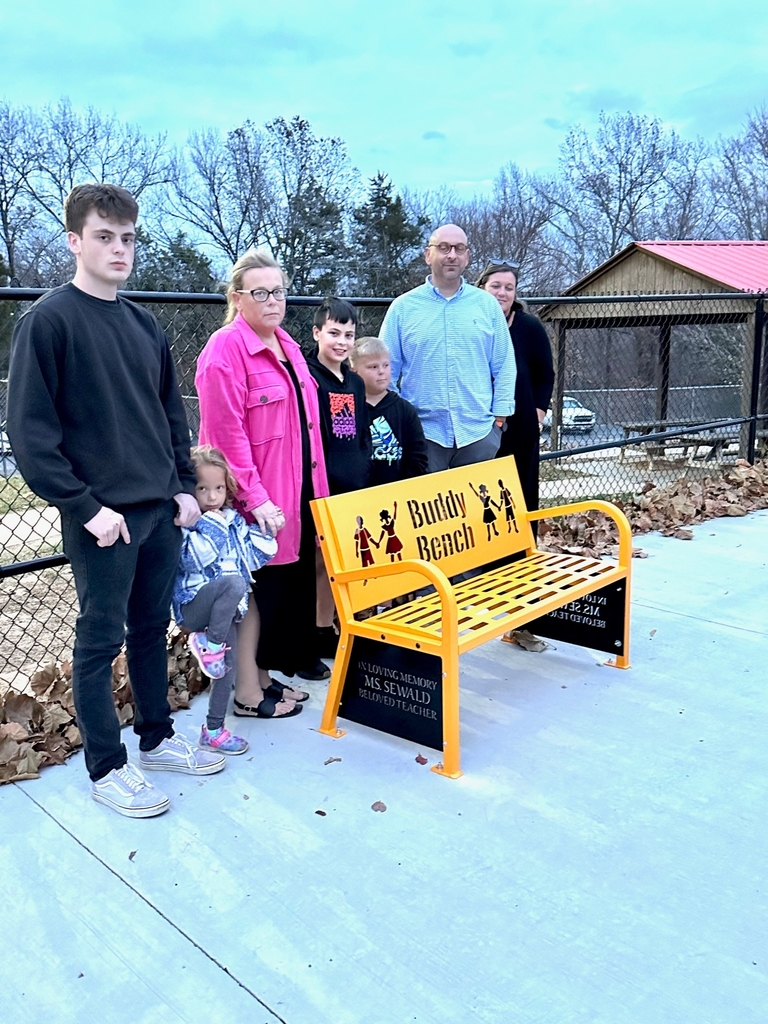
point(453, 360)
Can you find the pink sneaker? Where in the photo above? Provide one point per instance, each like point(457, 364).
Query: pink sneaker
point(222, 740)
point(211, 662)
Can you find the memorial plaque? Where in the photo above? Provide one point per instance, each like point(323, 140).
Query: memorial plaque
point(595, 621)
point(395, 690)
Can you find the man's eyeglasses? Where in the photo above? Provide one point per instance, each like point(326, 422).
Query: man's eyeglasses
point(504, 263)
point(261, 294)
point(445, 247)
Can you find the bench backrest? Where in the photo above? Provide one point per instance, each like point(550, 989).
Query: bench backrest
point(458, 520)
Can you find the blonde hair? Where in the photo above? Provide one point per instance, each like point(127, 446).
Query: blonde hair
point(367, 347)
point(254, 259)
point(207, 455)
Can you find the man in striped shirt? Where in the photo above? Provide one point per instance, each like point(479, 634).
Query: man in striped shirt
point(452, 358)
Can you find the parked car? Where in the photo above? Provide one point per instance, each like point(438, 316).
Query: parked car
point(576, 417)
point(5, 445)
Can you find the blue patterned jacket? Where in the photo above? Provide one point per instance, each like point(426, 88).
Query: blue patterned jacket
point(209, 545)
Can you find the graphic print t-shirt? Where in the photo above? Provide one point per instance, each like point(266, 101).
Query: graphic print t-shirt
point(386, 447)
point(346, 438)
point(399, 450)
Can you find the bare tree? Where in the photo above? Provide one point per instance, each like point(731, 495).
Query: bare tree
point(610, 185)
point(18, 130)
point(221, 188)
point(686, 207)
point(741, 181)
point(279, 186)
point(73, 148)
point(514, 223)
point(313, 186)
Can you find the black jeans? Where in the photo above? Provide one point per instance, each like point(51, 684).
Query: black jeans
point(124, 593)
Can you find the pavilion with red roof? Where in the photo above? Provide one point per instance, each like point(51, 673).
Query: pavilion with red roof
point(667, 284)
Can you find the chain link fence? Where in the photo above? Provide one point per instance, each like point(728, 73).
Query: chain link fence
point(647, 387)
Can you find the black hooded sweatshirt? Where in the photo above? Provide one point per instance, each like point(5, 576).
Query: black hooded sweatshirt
point(399, 446)
point(346, 437)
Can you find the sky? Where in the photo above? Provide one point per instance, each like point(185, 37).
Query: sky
point(432, 93)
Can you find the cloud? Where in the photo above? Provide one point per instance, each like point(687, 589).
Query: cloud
point(556, 125)
point(592, 101)
point(721, 105)
point(430, 136)
point(465, 49)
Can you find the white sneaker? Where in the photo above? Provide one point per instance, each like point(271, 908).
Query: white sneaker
point(176, 754)
point(126, 791)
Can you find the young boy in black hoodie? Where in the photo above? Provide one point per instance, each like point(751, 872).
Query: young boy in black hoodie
point(344, 425)
point(399, 450)
point(341, 396)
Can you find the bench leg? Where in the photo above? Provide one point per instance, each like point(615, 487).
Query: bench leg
point(450, 766)
point(620, 661)
point(331, 710)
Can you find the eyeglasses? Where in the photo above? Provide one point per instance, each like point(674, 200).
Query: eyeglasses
point(504, 263)
point(261, 294)
point(445, 247)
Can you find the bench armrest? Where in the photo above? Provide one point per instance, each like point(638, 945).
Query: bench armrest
point(432, 574)
point(622, 523)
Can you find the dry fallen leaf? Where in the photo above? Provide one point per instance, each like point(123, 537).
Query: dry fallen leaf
point(420, 759)
point(321, 813)
point(131, 855)
point(14, 732)
point(330, 760)
point(378, 806)
point(525, 639)
point(653, 632)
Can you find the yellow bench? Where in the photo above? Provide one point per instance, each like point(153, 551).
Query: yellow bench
point(385, 542)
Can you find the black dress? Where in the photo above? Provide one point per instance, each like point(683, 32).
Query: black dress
point(285, 594)
point(533, 390)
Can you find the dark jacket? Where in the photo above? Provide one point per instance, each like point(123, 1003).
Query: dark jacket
point(535, 379)
point(95, 416)
point(346, 438)
point(397, 438)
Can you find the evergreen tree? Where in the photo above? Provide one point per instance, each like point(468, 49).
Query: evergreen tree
point(173, 266)
point(386, 243)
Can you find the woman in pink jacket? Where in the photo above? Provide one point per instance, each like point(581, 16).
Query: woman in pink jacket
point(258, 405)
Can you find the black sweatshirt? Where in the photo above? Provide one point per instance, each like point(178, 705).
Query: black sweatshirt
point(94, 411)
point(399, 447)
point(346, 438)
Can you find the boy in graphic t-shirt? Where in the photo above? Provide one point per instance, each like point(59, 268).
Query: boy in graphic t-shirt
point(341, 395)
point(344, 425)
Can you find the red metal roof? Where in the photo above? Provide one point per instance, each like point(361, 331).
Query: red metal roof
point(739, 265)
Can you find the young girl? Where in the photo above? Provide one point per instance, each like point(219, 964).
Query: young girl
point(218, 555)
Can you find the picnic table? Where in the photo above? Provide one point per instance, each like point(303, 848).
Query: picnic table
point(658, 448)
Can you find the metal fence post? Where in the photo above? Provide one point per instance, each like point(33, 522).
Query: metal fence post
point(662, 380)
point(754, 396)
point(557, 398)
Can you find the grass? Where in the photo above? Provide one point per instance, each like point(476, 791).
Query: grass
point(15, 496)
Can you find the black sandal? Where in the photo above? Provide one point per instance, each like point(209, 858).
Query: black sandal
point(264, 709)
point(276, 690)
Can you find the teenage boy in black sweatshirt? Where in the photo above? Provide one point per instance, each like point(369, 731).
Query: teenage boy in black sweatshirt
point(346, 438)
point(399, 449)
point(98, 430)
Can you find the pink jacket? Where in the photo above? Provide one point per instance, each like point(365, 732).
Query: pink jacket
point(248, 410)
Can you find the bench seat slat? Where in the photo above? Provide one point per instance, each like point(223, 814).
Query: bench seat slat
point(499, 600)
